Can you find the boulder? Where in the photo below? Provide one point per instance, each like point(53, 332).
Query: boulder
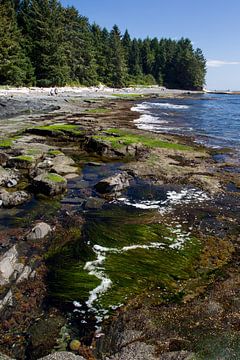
point(10, 199)
point(44, 334)
point(8, 263)
point(63, 165)
point(22, 162)
point(113, 184)
point(94, 203)
point(39, 231)
point(6, 175)
point(50, 184)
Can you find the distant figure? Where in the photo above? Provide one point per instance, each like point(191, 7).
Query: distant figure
point(53, 91)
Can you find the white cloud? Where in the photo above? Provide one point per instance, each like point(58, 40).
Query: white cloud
point(218, 63)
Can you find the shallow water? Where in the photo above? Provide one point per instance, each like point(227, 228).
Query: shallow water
point(213, 119)
point(124, 249)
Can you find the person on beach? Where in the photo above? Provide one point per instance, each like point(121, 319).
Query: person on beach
point(53, 91)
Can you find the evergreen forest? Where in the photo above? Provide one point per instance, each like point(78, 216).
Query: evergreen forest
point(43, 43)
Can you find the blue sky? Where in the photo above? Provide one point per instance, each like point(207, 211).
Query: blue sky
point(212, 25)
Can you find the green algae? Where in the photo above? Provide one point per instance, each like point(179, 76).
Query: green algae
point(54, 177)
point(118, 138)
point(132, 271)
point(55, 152)
point(129, 96)
point(60, 128)
point(7, 143)
point(27, 158)
point(98, 111)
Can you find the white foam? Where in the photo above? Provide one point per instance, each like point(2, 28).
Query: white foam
point(150, 105)
point(185, 196)
point(140, 107)
point(168, 106)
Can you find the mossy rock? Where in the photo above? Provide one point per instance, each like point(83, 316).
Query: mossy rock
point(57, 130)
point(50, 184)
point(22, 162)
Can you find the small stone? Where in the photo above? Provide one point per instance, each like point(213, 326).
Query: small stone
point(113, 184)
point(12, 183)
point(75, 345)
point(94, 203)
point(10, 199)
point(39, 231)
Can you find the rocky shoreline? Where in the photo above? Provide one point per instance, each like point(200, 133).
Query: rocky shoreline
point(43, 147)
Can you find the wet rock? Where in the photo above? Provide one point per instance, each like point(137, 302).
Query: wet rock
point(10, 199)
point(71, 176)
point(39, 231)
point(6, 301)
point(43, 335)
point(178, 344)
point(73, 201)
point(12, 270)
point(62, 356)
point(22, 162)
point(94, 203)
point(8, 263)
point(113, 184)
point(6, 175)
point(137, 351)
point(25, 274)
point(78, 184)
point(50, 184)
point(208, 183)
point(3, 158)
point(63, 165)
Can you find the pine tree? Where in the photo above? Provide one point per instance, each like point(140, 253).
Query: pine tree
point(118, 66)
point(135, 67)
point(42, 22)
point(101, 46)
point(15, 67)
point(78, 40)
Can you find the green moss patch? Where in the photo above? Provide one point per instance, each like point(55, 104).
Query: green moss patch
point(6, 143)
point(55, 152)
point(98, 111)
point(127, 96)
point(54, 177)
point(119, 138)
point(27, 158)
point(60, 128)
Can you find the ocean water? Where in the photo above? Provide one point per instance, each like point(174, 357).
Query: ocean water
point(212, 119)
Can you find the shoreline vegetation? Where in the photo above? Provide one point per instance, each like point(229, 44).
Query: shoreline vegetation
point(44, 43)
point(63, 171)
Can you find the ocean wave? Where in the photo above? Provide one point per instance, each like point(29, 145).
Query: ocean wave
point(149, 105)
point(168, 106)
